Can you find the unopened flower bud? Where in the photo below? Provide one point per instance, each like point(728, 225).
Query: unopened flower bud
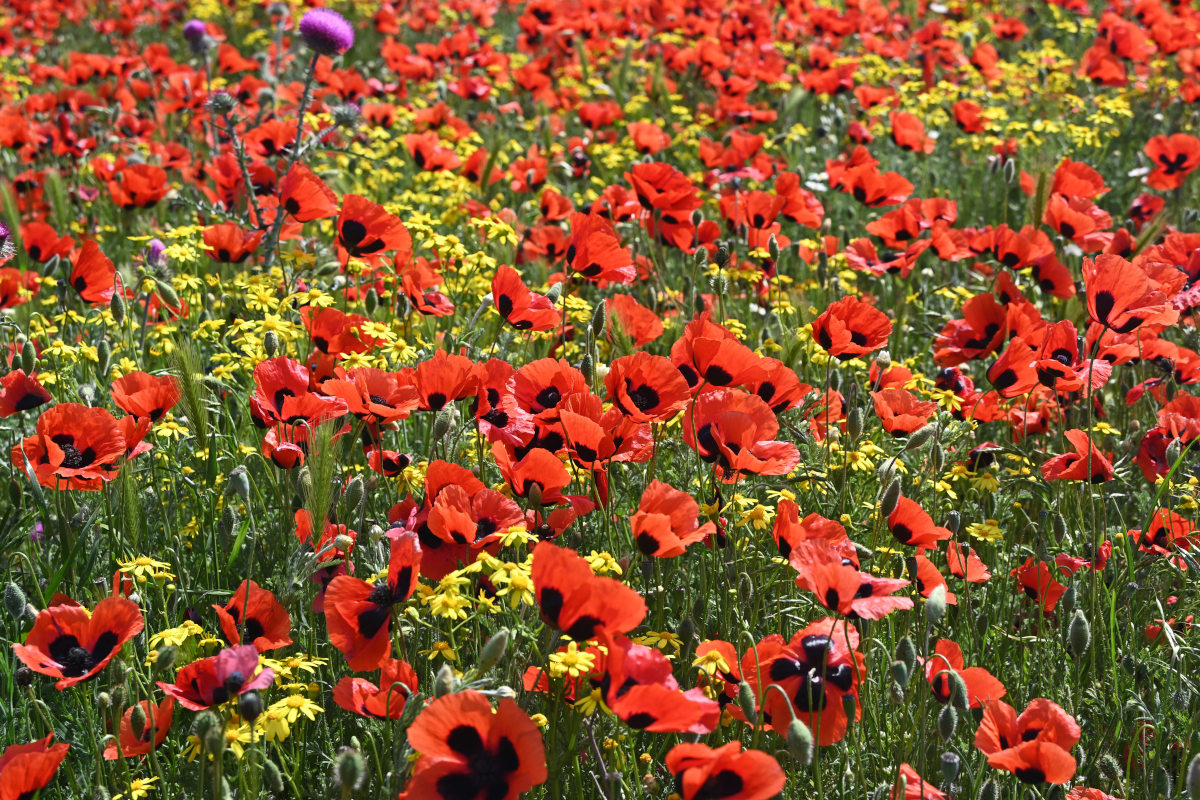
point(443, 683)
point(947, 722)
point(493, 650)
point(1079, 634)
point(271, 344)
point(891, 498)
point(349, 770)
point(165, 659)
point(117, 306)
point(28, 357)
point(15, 602)
point(137, 720)
point(935, 605)
point(800, 741)
point(747, 702)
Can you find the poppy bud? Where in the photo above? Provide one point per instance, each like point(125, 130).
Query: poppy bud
point(588, 367)
point(346, 115)
point(947, 722)
point(919, 437)
point(371, 301)
point(348, 771)
point(599, 318)
point(935, 605)
point(14, 601)
point(906, 651)
point(891, 498)
point(1174, 450)
point(249, 706)
point(800, 742)
point(1010, 171)
point(103, 356)
point(1060, 528)
point(238, 483)
point(444, 421)
point(951, 764)
point(1162, 782)
point(850, 706)
point(554, 292)
point(103, 701)
point(958, 691)
point(28, 357)
point(1193, 778)
point(304, 481)
point(272, 776)
point(863, 552)
point(493, 650)
point(101, 793)
point(854, 423)
point(883, 359)
point(354, 494)
point(722, 257)
point(165, 659)
point(1110, 768)
point(990, 790)
point(1079, 634)
point(937, 459)
point(773, 247)
point(747, 702)
point(228, 521)
point(719, 284)
point(208, 729)
point(1067, 603)
point(222, 103)
point(686, 632)
point(700, 257)
point(982, 623)
point(23, 676)
point(900, 672)
point(896, 693)
point(443, 684)
point(137, 720)
point(535, 495)
point(271, 344)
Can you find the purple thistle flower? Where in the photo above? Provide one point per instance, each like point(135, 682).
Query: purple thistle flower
point(326, 31)
point(155, 253)
point(7, 247)
point(194, 30)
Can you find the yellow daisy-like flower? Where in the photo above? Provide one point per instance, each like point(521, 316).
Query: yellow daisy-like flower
point(142, 566)
point(139, 787)
point(442, 650)
point(988, 531)
point(663, 640)
point(176, 636)
point(572, 662)
point(296, 705)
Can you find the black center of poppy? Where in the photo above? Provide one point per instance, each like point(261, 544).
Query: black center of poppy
point(719, 785)
point(548, 397)
point(73, 457)
point(353, 232)
point(644, 397)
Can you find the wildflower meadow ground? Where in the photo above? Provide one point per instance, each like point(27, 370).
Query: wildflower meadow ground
point(606, 399)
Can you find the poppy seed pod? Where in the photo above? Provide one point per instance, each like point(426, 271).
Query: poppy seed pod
point(953, 522)
point(249, 706)
point(800, 741)
point(947, 723)
point(747, 702)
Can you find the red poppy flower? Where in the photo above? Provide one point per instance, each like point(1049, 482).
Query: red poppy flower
point(1086, 463)
point(229, 243)
point(644, 694)
point(789, 531)
point(305, 196)
point(816, 668)
point(647, 388)
point(373, 395)
point(979, 333)
point(736, 431)
point(145, 396)
point(911, 526)
point(595, 252)
point(93, 275)
point(915, 787)
point(901, 413)
point(666, 521)
point(709, 353)
point(851, 327)
point(1175, 157)
point(42, 242)
point(840, 587)
point(579, 603)
point(282, 394)
point(218, 679)
point(359, 614)
point(727, 772)
point(444, 379)
point(1034, 746)
point(928, 577)
point(521, 308)
point(17, 287)
point(366, 230)
point(266, 624)
point(20, 392)
point(635, 321)
point(155, 727)
point(908, 132)
point(1122, 297)
point(72, 645)
point(75, 447)
point(982, 687)
point(26, 768)
point(1038, 583)
point(397, 683)
point(963, 562)
point(1167, 532)
point(467, 750)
